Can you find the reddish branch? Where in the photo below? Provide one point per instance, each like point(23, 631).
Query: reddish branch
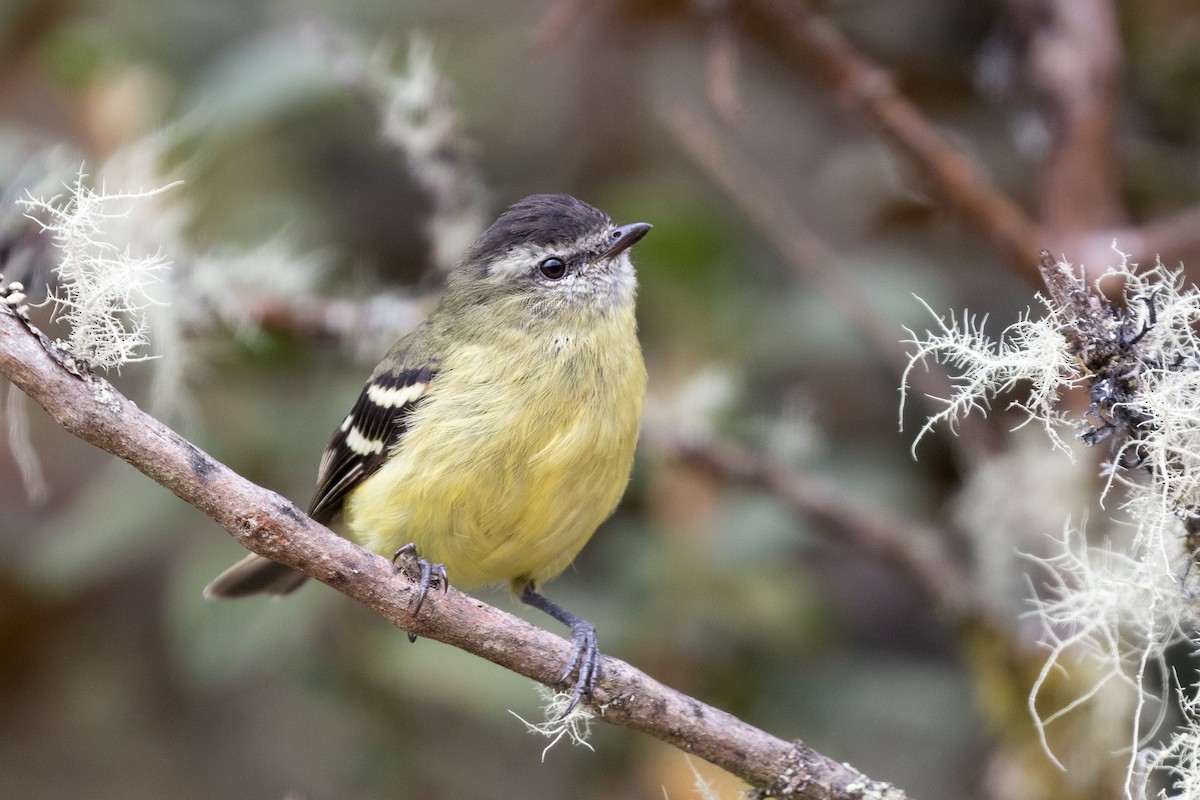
point(272, 526)
point(1071, 66)
point(864, 86)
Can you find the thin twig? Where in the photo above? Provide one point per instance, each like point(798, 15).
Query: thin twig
point(808, 254)
point(358, 321)
point(868, 88)
point(914, 551)
point(805, 251)
point(272, 526)
point(1175, 238)
point(1071, 65)
point(557, 22)
point(722, 68)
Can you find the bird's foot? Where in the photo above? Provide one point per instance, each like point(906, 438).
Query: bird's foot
point(429, 573)
point(583, 663)
point(584, 659)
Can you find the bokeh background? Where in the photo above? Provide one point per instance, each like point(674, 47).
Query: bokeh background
point(792, 232)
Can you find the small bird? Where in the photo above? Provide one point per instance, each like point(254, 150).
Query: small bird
point(496, 437)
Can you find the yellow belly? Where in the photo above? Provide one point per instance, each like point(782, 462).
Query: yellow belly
point(508, 467)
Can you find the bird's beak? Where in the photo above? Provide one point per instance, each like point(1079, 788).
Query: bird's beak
point(623, 238)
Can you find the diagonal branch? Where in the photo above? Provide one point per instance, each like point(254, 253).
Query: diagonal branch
point(914, 551)
point(1174, 237)
point(272, 526)
point(810, 256)
point(866, 87)
point(1071, 63)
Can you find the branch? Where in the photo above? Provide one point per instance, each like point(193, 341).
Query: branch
point(557, 22)
point(912, 550)
point(867, 88)
point(765, 205)
point(1175, 238)
point(272, 526)
point(381, 317)
point(1072, 63)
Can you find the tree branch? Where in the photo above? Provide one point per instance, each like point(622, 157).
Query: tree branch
point(915, 552)
point(811, 258)
point(1071, 64)
point(868, 88)
point(1174, 237)
point(357, 321)
point(272, 526)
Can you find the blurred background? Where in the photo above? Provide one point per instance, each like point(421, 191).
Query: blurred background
point(337, 156)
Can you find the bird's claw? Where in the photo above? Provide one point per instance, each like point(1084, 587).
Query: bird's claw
point(430, 572)
point(583, 662)
point(584, 659)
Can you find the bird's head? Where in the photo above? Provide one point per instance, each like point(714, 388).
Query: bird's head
point(551, 254)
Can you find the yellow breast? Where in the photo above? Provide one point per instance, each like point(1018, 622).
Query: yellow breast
point(513, 458)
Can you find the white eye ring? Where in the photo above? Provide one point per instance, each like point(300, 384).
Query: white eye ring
point(553, 267)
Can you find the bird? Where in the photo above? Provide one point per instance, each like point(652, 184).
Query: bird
point(492, 441)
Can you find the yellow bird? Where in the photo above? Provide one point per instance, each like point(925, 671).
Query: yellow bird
point(496, 437)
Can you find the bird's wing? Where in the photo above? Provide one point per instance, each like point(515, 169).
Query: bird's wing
point(372, 429)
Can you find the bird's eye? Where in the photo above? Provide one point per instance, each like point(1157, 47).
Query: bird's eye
point(553, 268)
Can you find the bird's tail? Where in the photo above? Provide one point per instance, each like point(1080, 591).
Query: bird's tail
point(255, 575)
